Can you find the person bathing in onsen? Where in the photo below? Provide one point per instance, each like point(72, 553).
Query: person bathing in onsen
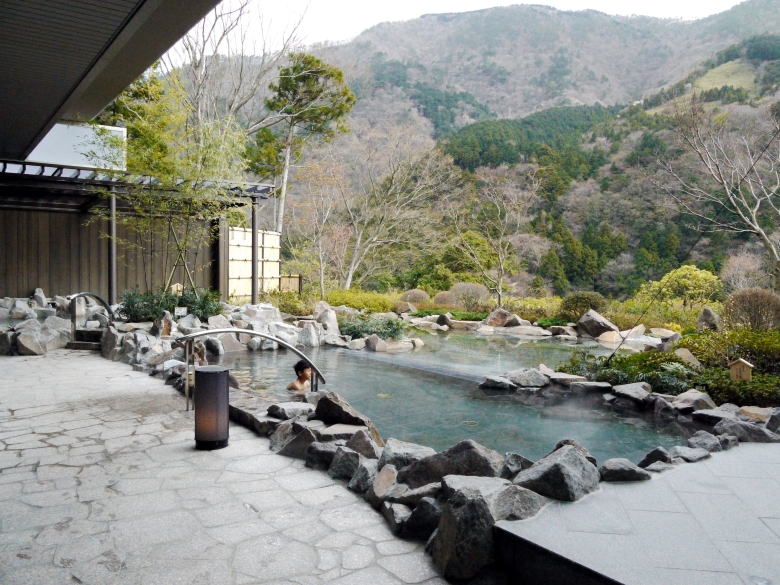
point(302, 383)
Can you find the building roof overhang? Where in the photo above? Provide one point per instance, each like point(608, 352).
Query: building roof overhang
point(45, 187)
point(67, 59)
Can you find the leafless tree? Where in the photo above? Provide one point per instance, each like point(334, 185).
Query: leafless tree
point(501, 212)
point(395, 208)
point(733, 181)
point(225, 60)
point(744, 270)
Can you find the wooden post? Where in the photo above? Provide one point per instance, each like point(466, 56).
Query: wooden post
point(112, 286)
point(254, 249)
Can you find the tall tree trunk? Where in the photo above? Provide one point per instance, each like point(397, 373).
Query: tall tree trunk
point(322, 272)
point(285, 173)
point(774, 273)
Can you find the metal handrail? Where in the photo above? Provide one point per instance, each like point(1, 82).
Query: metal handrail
point(188, 341)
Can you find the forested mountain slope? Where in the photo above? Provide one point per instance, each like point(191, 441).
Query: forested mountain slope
point(507, 62)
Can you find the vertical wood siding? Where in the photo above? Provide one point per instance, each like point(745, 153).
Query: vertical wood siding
point(64, 253)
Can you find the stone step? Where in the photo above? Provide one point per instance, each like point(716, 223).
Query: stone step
point(89, 334)
point(85, 345)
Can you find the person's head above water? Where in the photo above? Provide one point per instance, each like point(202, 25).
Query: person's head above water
point(301, 368)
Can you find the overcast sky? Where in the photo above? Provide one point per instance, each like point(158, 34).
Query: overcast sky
point(340, 20)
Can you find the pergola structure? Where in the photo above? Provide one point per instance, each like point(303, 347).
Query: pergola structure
point(70, 189)
point(65, 60)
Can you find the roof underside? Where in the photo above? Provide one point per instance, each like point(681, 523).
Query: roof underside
point(67, 59)
point(42, 187)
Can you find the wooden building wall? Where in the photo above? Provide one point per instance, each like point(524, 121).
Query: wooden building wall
point(64, 253)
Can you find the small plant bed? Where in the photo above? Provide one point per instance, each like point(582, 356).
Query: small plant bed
point(139, 307)
point(457, 315)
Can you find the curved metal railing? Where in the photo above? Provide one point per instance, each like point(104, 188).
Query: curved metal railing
point(72, 309)
point(188, 341)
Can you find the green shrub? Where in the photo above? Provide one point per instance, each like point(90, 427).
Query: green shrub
point(550, 321)
point(362, 300)
point(690, 284)
point(717, 349)
point(289, 302)
point(577, 304)
point(138, 307)
point(203, 303)
point(665, 372)
point(457, 315)
point(753, 308)
point(416, 296)
point(762, 390)
point(363, 325)
point(533, 309)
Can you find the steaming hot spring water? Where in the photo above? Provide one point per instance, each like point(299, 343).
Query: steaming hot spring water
point(430, 395)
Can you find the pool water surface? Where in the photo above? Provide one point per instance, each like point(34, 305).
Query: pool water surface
point(430, 396)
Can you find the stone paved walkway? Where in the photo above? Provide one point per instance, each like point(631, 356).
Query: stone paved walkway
point(100, 484)
point(716, 522)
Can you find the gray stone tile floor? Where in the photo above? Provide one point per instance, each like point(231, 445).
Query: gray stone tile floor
point(716, 522)
point(100, 484)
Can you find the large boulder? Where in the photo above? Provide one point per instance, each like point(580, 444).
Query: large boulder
point(111, 343)
point(402, 453)
point(497, 383)
point(527, 330)
point(564, 474)
point(424, 519)
point(362, 443)
point(638, 392)
point(658, 454)
point(464, 458)
point(619, 469)
point(219, 322)
point(755, 414)
point(709, 320)
point(384, 481)
point(462, 545)
point(40, 299)
point(345, 464)
point(746, 432)
point(705, 440)
point(329, 321)
point(594, 324)
point(309, 335)
point(514, 463)
point(712, 416)
point(6, 343)
point(396, 516)
point(333, 409)
point(774, 420)
point(689, 454)
point(517, 321)
point(288, 410)
point(572, 443)
point(527, 377)
point(363, 478)
point(375, 343)
point(31, 342)
point(319, 455)
point(563, 330)
point(291, 440)
point(692, 400)
point(498, 318)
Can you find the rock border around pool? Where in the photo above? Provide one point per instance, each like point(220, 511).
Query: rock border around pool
point(453, 498)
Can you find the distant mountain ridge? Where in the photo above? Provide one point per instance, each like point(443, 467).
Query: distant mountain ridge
point(507, 62)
